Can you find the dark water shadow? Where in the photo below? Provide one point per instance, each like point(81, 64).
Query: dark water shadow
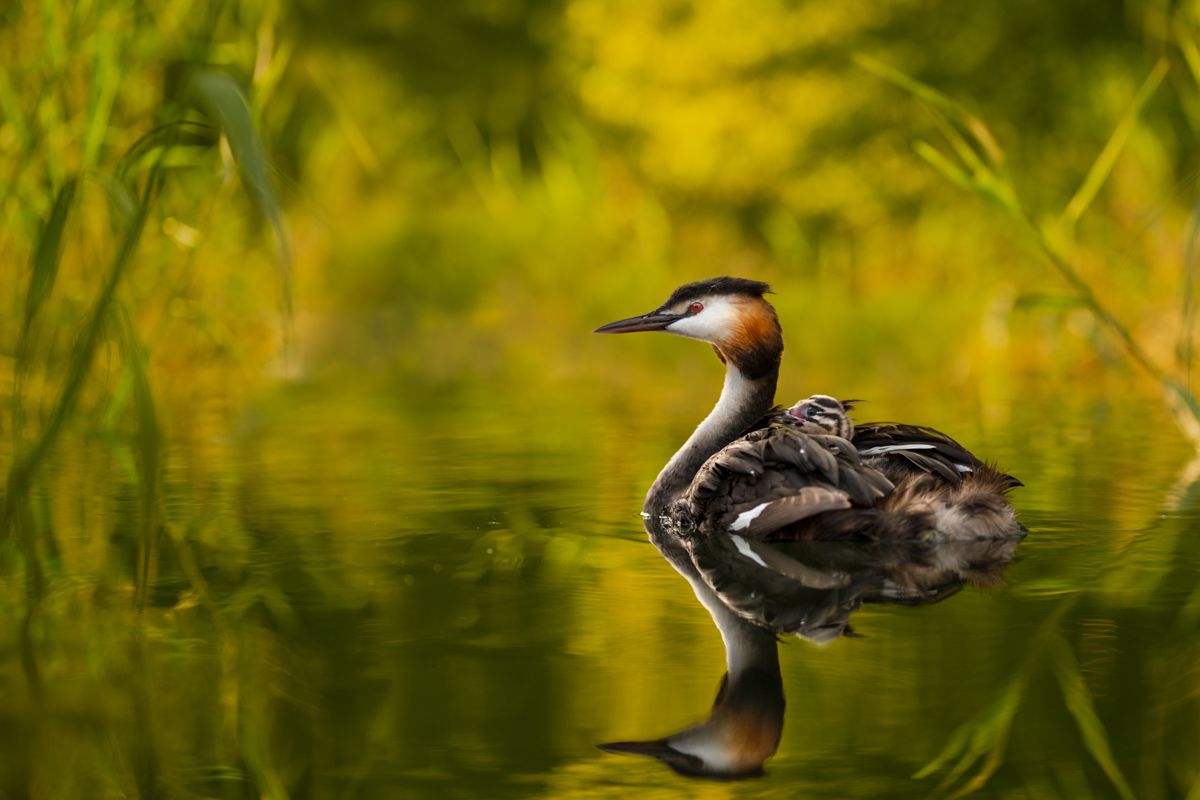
point(759, 592)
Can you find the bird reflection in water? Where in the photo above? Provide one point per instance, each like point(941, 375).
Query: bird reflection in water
point(761, 591)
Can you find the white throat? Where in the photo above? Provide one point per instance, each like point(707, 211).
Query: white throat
point(734, 393)
point(742, 402)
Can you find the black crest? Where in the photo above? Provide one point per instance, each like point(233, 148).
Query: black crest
point(722, 285)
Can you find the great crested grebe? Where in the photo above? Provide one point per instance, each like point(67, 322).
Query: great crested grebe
point(744, 473)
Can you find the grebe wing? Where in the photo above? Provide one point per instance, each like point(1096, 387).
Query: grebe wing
point(778, 475)
point(900, 450)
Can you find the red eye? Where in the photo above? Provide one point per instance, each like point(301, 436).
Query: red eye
point(695, 308)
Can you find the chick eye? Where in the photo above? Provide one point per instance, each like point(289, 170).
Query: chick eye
point(695, 308)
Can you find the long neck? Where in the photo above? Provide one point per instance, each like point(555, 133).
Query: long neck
point(743, 401)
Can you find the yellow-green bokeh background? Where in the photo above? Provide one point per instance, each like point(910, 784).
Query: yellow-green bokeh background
point(355, 516)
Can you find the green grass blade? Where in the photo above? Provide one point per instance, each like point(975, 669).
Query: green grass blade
point(48, 253)
point(219, 96)
point(186, 133)
point(959, 144)
point(148, 452)
point(107, 77)
point(1079, 703)
point(949, 170)
point(122, 203)
point(991, 739)
point(1185, 40)
point(957, 743)
point(954, 110)
point(23, 468)
point(1107, 159)
point(1185, 344)
point(984, 736)
point(982, 171)
point(1185, 347)
point(985, 183)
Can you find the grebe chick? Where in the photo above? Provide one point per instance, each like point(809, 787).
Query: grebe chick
point(823, 414)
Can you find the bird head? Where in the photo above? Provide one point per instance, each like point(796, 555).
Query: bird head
point(825, 413)
point(740, 734)
point(728, 313)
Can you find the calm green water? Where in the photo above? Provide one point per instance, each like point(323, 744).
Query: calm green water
point(392, 589)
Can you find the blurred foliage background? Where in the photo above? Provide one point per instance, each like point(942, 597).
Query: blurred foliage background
point(318, 485)
point(470, 177)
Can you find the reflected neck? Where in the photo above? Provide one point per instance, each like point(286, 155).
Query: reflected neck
point(743, 401)
point(743, 729)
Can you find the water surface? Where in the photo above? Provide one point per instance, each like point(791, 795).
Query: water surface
point(393, 589)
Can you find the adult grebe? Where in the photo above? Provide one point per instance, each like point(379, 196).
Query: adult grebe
point(745, 473)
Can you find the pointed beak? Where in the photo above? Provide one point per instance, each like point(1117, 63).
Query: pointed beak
point(654, 321)
point(658, 748)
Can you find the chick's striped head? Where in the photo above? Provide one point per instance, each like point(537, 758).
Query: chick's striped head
point(825, 413)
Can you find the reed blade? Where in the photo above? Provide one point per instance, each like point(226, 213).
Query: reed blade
point(1083, 710)
point(47, 254)
point(25, 465)
point(1107, 159)
point(148, 453)
point(954, 110)
point(220, 97)
point(183, 133)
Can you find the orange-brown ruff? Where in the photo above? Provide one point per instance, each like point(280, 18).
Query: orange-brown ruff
point(745, 474)
point(743, 344)
point(750, 742)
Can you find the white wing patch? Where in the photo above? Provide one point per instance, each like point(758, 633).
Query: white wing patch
point(891, 448)
point(744, 548)
point(746, 517)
